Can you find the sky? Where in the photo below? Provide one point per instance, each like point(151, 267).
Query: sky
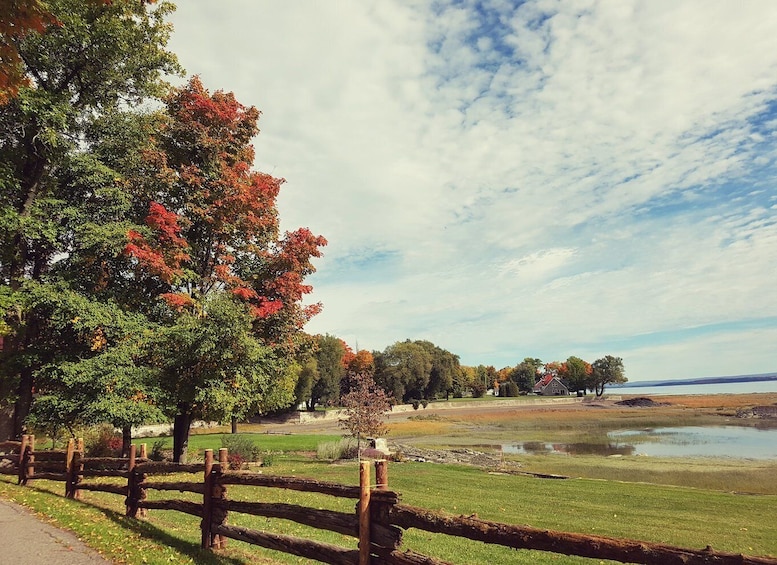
point(521, 179)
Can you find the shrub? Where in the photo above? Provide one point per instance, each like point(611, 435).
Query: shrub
point(242, 446)
point(267, 460)
point(478, 390)
point(236, 462)
point(333, 450)
point(103, 441)
point(157, 450)
point(508, 388)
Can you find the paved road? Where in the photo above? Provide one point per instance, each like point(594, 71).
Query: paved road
point(29, 541)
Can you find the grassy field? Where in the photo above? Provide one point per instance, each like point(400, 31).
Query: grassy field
point(687, 517)
point(688, 503)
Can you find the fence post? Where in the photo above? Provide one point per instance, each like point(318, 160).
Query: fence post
point(71, 445)
point(219, 515)
point(30, 473)
point(27, 459)
point(78, 466)
point(143, 451)
point(23, 460)
point(207, 501)
point(364, 513)
point(381, 474)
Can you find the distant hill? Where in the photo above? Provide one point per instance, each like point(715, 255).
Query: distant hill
point(703, 381)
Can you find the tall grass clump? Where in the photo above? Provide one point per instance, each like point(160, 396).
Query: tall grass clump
point(346, 448)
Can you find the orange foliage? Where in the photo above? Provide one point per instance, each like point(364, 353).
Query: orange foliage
point(178, 301)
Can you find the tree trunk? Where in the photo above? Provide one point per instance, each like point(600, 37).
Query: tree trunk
point(23, 402)
point(181, 425)
point(126, 440)
point(234, 425)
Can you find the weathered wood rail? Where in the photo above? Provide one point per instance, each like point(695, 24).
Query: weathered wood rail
point(378, 523)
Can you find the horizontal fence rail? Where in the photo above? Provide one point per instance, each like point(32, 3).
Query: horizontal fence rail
point(378, 523)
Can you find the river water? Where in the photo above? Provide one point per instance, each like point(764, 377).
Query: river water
point(759, 442)
point(717, 388)
point(688, 441)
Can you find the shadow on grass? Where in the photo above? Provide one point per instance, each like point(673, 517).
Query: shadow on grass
point(184, 547)
point(150, 531)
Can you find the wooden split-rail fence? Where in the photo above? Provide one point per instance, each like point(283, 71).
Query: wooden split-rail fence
point(378, 522)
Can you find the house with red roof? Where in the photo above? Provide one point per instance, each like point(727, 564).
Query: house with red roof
point(551, 385)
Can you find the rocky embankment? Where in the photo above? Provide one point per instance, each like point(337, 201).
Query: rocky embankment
point(461, 455)
point(763, 412)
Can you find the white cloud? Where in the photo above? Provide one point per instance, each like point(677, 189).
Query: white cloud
point(548, 179)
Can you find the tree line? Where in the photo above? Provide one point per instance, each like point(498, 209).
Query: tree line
point(420, 371)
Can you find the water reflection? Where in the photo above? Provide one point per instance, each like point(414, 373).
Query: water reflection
point(689, 441)
point(580, 448)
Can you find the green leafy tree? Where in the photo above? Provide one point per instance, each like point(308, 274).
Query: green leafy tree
point(303, 388)
point(607, 370)
point(87, 351)
point(525, 374)
point(463, 380)
point(403, 370)
point(576, 373)
point(445, 365)
point(93, 58)
point(329, 371)
point(210, 366)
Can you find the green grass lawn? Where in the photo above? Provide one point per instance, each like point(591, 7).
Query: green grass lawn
point(683, 516)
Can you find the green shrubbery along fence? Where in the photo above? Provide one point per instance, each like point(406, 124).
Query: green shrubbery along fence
point(378, 522)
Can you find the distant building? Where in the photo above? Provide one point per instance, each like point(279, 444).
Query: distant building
point(551, 385)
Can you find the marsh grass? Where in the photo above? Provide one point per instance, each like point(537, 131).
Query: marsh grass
point(344, 448)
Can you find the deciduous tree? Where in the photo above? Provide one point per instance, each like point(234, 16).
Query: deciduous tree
point(403, 370)
point(525, 373)
point(97, 56)
point(365, 404)
point(329, 370)
point(607, 370)
point(576, 373)
point(211, 227)
point(210, 366)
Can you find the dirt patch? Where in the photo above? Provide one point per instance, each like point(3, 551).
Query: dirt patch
point(641, 402)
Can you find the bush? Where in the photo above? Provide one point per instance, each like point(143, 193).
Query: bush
point(333, 450)
point(236, 462)
point(157, 450)
point(267, 460)
point(103, 441)
point(508, 388)
point(242, 446)
point(478, 390)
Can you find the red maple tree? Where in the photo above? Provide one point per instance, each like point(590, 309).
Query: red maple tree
point(212, 221)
